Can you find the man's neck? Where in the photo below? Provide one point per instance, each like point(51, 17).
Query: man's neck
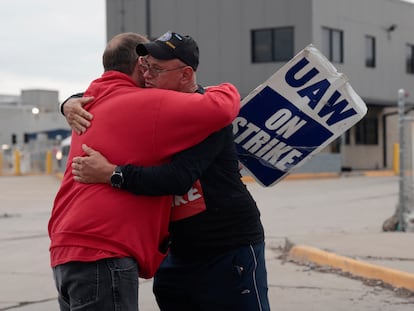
point(192, 88)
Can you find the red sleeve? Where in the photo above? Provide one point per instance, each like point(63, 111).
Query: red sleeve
point(186, 119)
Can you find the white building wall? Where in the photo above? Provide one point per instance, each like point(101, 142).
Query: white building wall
point(44, 100)
point(358, 18)
point(20, 120)
point(375, 85)
point(16, 115)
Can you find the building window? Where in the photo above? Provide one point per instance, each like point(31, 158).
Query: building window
point(366, 131)
point(272, 45)
point(332, 44)
point(410, 58)
point(370, 51)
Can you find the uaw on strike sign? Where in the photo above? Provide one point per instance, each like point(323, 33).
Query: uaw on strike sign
point(293, 115)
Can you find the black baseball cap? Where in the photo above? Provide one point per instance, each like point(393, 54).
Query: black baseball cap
point(172, 45)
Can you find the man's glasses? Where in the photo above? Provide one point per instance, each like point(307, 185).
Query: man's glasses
point(143, 63)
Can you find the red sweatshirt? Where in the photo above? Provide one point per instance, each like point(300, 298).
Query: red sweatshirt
point(141, 127)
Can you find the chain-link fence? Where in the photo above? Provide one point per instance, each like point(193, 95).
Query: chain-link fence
point(405, 207)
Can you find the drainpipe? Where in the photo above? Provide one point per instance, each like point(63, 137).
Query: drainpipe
point(148, 19)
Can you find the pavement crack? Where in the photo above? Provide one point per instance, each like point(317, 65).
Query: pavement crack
point(311, 266)
point(26, 303)
point(309, 288)
point(7, 215)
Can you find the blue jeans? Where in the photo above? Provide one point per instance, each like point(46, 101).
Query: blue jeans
point(106, 285)
point(233, 281)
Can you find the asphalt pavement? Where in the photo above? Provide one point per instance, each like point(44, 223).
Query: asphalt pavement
point(325, 249)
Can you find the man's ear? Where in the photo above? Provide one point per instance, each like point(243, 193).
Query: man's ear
point(187, 74)
point(138, 75)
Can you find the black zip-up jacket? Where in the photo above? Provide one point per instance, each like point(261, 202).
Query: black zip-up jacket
point(231, 219)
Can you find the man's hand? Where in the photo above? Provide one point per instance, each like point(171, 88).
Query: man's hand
point(77, 117)
point(93, 168)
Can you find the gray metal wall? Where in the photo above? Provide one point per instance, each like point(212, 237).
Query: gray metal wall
point(223, 29)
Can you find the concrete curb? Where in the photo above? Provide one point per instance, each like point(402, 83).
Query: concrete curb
point(390, 276)
point(248, 179)
point(294, 176)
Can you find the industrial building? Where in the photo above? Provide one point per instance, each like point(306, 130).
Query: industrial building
point(245, 42)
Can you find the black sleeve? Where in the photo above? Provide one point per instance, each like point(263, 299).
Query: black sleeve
point(179, 175)
point(77, 95)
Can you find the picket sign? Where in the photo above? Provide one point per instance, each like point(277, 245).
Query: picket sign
point(293, 115)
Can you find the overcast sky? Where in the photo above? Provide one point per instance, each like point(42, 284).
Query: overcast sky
point(51, 44)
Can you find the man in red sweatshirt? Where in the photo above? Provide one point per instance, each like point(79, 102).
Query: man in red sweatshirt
point(216, 259)
point(102, 239)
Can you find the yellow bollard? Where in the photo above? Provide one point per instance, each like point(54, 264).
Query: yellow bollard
point(17, 170)
point(49, 162)
point(396, 161)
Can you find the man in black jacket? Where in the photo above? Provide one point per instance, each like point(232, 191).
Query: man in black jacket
point(216, 259)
